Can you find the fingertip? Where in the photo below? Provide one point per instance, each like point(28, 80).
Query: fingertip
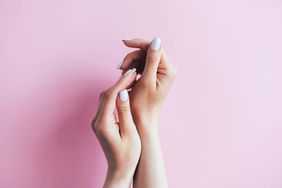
point(155, 44)
point(125, 41)
point(123, 95)
point(129, 72)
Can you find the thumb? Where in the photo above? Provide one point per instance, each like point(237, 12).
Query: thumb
point(126, 122)
point(153, 58)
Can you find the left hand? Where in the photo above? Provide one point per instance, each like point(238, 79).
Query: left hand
point(120, 140)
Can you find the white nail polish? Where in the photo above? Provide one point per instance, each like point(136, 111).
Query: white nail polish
point(156, 44)
point(130, 71)
point(119, 64)
point(123, 95)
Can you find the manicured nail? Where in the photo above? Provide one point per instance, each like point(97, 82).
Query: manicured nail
point(156, 44)
point(119, 64)
point(130, 71)
point(123, 95)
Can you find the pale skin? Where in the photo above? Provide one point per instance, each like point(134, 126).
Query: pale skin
point(132, 145)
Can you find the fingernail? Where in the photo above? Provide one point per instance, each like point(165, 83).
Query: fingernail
point(123, 95)
point(130, 71)
point(156, 44)
point(119, 64)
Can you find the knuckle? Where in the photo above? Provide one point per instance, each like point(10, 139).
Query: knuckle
point(100, 129)
point(98, 125)
point(123, 109)
point(107, 94)
point(95, 122)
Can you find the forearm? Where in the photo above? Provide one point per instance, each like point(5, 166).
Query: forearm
point(150, 172)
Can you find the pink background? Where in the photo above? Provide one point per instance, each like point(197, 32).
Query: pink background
point(221, 126)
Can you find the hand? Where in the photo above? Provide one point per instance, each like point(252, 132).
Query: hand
point(120, 140)
point(146, 96)
point(150, 90)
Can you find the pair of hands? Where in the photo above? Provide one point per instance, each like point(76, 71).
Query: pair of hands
point(137, 111)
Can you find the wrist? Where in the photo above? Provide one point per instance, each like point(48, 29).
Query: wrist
point(146, 124)
point(117, 179)
point(148, 133)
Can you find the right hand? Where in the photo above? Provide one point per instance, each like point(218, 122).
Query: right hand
point(149, 92)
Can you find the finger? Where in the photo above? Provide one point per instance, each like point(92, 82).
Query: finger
point(132, 57)
point(135, 59)
point(137, 43)
point(139, 65)
point(144, 45)
point(126, 122)
point(131, 85)
point(109, 100)
point(153, 60)
point(165, 67)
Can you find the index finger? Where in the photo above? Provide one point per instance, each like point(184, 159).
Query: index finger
point(137, 43)
point(143, 45)
point(109, 99)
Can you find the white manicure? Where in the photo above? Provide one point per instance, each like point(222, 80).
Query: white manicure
point(123, 95)
point(130, 71)
point(156, 44)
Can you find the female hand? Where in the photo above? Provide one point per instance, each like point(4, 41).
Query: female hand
point(119, 140)
point(150, 90)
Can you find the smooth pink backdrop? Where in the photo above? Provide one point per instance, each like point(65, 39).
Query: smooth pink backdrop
point(221, 126)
